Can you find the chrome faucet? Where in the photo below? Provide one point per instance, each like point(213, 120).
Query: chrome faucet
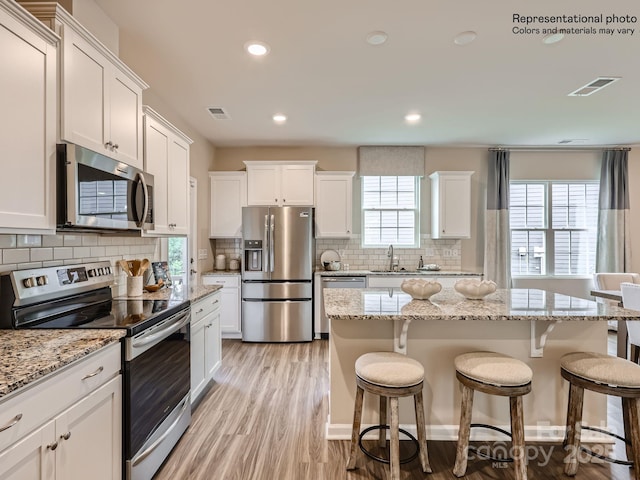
point(390, 255)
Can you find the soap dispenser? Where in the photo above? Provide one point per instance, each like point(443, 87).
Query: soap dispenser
point(420, 263)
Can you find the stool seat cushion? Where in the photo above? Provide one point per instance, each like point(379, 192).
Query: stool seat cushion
point(389, 369)
point(603, 369)
point(493, 368)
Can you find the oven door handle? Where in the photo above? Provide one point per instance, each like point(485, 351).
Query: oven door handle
point(155, 444)
point(146, 340)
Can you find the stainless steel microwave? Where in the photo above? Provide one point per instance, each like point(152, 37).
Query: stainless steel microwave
point(95, 192)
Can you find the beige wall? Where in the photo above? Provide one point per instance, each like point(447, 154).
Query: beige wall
point(202, 155)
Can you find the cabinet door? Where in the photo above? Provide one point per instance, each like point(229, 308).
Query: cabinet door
point(333, 206)
point(178, 171)
point(297, 185)
point(84, 84)
point(263, 185)
point(90, 436)
point(228, 196)
point(156, 142)
point(455, 207)
point(125, 119)
point(213, 342)
point(32, 457)
point(230, 311)
point(198, 368)
point(28, 133)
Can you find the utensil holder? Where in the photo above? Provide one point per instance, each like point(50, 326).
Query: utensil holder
point(134, 286)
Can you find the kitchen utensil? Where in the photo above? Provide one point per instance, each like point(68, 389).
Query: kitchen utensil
point(154, 288)
point(124, 265)
point(134, 286)
point(332, 266)
point(329, 256)
point(144, 265)
point(135, 267)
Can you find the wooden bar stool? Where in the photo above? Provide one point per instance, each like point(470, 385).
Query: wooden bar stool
point(390, 376)
point(611, 376)
point(494, 374)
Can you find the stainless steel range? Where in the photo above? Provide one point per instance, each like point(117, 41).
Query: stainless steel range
point(156, 350)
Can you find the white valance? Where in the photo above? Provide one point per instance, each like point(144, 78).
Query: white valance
point(400, 161)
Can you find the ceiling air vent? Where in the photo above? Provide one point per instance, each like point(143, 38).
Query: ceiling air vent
point(592, 87)
point(218, 113)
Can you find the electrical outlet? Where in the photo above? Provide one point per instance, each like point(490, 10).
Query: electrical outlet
point(447, 252)
point(202, 254)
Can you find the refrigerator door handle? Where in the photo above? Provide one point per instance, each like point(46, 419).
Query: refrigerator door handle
point(266, 248)
point(271, 245)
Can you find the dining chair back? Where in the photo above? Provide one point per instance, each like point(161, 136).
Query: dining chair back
point(631, 300)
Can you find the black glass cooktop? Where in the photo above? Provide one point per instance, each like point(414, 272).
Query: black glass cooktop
point(133, 315)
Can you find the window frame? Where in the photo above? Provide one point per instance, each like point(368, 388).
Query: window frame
point(415, 210)
point(548, 230)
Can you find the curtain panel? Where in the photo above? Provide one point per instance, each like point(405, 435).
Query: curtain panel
point(613, 250)
point(497, 248)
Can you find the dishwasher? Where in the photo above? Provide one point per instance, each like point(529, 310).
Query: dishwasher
point(337, 282)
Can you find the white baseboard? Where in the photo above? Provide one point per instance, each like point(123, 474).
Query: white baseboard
point(532, 433)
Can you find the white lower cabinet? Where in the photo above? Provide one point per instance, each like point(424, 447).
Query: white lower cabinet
point(83, 441)
point(230, 324)
point(206, 345)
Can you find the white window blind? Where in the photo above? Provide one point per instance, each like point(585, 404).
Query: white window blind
point(553, 227)
point(390, 211)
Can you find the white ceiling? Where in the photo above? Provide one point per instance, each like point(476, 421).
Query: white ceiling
point(502, 89)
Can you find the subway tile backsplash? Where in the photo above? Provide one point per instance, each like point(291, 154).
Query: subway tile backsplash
point(446, 253)
point(21, 252)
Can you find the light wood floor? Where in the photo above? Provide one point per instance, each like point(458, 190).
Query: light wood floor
point(263, 419)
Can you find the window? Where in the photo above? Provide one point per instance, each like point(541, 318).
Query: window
point(177, 259)
point(553, 227)
point(390, 211)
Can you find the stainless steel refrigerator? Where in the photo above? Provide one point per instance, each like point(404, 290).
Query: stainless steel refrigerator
point(277, 274)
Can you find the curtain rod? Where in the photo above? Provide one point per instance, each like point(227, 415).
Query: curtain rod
point(556, 149)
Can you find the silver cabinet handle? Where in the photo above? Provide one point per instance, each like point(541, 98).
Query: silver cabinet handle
point(115, 146)
point(11, 423)
point(65, 436)
point(215, 302)
point(93, 374)
point(200, 310)
point(108, 145)
point(52, 446)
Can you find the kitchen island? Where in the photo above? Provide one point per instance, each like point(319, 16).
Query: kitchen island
point(535, 326)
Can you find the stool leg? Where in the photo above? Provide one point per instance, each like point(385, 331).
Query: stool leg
point(633, 411)
point(422, 432)
point(574, 413)
point(517, 437)
point(462, 450)
point(394, 463)
point(382, 433)
point(626, 421)
point(355, 431)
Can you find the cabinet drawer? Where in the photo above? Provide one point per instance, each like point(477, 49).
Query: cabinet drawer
point(226, 280)
point(22, 412)
point(204, 307)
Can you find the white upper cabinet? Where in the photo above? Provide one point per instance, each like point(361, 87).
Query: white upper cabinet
point(451, 204)
point(334, 204)
point(280, 183)
point(228, 196)
point(28, 133)
point(100, 97)
point(166, 157)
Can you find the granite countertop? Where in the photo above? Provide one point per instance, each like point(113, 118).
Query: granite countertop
point(28, 355)
point(410, 273)
point(177, 294)
point(505, 304)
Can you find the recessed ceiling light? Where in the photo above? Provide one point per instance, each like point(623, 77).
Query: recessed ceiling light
point(465, 37)
point(279, 118)
point(413, 117)
point(552, 38)
point(257, 49)
point(377, 37)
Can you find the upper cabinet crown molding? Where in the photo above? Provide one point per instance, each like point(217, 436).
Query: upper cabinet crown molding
point(150, 112)
point(279, 162)
point(49, 12)
point(28, 19)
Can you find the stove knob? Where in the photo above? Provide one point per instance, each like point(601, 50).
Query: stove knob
point(29, 282)
point(107, 270)
point(100, 271)
point(42, 280)
point(92, 273)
